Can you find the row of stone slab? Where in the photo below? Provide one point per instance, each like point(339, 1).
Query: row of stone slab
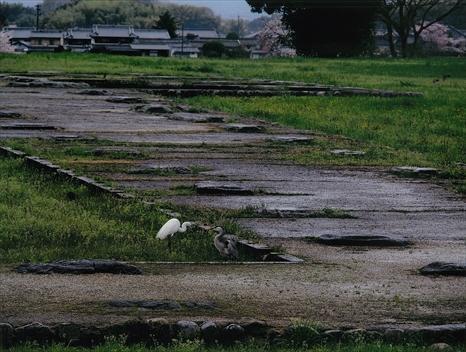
point(47, 166)
point(40, 82)
point(251, 92)
point(185, 88)
point(79, 267)
point(259, 251)
point(160, 331)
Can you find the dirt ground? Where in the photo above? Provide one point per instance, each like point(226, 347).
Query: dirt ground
point(336, 286)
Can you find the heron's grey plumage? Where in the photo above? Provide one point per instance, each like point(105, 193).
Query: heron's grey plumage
point(226, 244)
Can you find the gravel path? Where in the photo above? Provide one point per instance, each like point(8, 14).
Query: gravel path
point(336, 286)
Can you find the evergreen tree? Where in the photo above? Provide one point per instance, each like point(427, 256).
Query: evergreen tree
point(326, 28)
point(168, 22)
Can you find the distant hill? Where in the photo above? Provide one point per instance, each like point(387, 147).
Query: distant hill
point(16, 13)
point(139, 13)
point(49, 6)
point(62, 14)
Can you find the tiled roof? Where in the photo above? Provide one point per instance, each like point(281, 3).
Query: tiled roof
point(128, 31)
point(251, 35)
point(20, 33)
point(112, 31)
point(201, 33)
point(46, 34)
point(79, 33)
point(152, 33)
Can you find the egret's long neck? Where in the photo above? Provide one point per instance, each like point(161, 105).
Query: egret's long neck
point(184, 227)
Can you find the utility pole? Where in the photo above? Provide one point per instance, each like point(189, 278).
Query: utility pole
point(239, 30)
point(38, 13)
point(182, 39)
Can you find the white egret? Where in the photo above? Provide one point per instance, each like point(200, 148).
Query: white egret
point(171, 227)
point(226, 244)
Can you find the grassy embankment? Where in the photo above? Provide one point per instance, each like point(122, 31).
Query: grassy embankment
point(42, 218)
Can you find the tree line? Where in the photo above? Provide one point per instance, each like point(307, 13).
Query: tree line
point(332, 28)
point(85, 13)
point(61, 14)
point(325, 28)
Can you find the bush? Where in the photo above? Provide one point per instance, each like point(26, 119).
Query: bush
point(232, 36)
point(213, 49)
point(238, 52)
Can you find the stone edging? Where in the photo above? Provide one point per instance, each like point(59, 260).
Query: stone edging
point(47, 166)
point(160, 331)
point(9, 152)
point(259, 251)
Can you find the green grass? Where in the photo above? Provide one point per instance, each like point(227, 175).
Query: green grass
point(43, 219)
point(426, 131)
point(420, 131)
point(197, 347)
point(407, 74)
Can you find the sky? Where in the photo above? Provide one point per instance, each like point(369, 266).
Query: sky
point(225, 8)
